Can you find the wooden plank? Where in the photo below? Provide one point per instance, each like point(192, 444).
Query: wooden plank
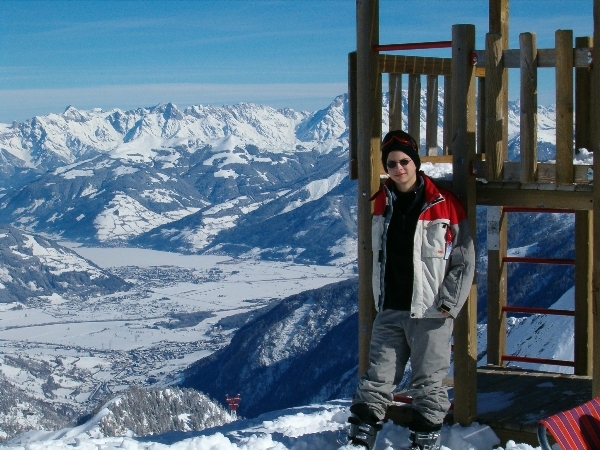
point(368, 82)
point(505, 195)
point(447, 149)
point(595, 147)
point(414, 108)
point(498, 19)
point(528, 118)
point(352, 122)
point(564, 106)
point(497, 238)
point(395, 109)
point(431, 123)
point(496, 146)
point(546, 173)
point(583, 174)
point(480, 127)
point(583, 293)
point(536, 395)
point(546, 57)
point(582, 100)
point(463, 151)
point(437, 159)
point(415, 65)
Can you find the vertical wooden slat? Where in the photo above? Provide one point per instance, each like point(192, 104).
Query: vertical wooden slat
point(595, 147)
point(352, 125)
point(498, 19)
point(528, 124)
point(463, 153)
point(414, 107)
point(395, 92)
point(497, 226)
point(564, 106)
point(431, 124)
point(499, 24)
point(583, 293)
point(369, 140)
point(481, 101)
point(584, 229)
point(496, 147)
point(447, 116)
point(582, 99)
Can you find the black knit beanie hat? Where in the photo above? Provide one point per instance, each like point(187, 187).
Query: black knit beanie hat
point(399, 140)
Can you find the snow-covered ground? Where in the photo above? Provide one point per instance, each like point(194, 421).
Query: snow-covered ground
point(169, 320)
point(313, 427)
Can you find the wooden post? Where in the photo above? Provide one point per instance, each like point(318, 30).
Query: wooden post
point(528, 128)
point(431, 125)
point(414, 108)
point(481, 102)
point(498, 21)
point(353, 119)
point(395, 93)
point(584, 336)
point(447, 115)
point(595, 147)
point(496, 147)
point(583, 293)
point(368, 95)
point(564, 106)
point(463, 153)
point(582, 99)
point(497, 226)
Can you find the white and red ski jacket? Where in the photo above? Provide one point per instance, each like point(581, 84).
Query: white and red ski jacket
point(443, 252)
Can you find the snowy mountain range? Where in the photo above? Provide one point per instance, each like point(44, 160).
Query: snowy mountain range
point(200, 180)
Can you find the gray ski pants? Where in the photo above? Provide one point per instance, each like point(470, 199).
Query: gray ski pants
point(395, 338)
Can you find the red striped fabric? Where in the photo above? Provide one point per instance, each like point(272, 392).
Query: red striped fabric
point(577, 428)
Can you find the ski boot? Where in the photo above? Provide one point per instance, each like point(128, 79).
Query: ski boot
point(362, 434)
point(425, 440)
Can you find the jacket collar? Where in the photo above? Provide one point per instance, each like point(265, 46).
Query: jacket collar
point(432, 193)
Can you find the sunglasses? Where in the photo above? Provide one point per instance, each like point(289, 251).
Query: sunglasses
point(402, 162)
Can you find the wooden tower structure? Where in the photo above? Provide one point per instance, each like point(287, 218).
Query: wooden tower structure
point(475, 141)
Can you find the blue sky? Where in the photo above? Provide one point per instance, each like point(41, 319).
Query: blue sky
point(284, 53)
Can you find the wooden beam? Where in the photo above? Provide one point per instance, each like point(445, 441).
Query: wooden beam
point(595, 147)
point(415, 65)
point(582, 100)
point(414, 108)
point(546, 173)
point(545, 57)
point(431, 123)
point(505, 195)
point(497, 237)
point(496, 146)
point(368, 104)
point(528, 125)
point(498, 19)
point(463, 152)
point(481, 101)
point(583, 293)
point(395, 96)
point(564, 106)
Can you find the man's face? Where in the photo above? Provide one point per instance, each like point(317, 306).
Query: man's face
point(404, 172)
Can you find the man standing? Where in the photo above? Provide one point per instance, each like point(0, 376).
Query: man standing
point(423, 268)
